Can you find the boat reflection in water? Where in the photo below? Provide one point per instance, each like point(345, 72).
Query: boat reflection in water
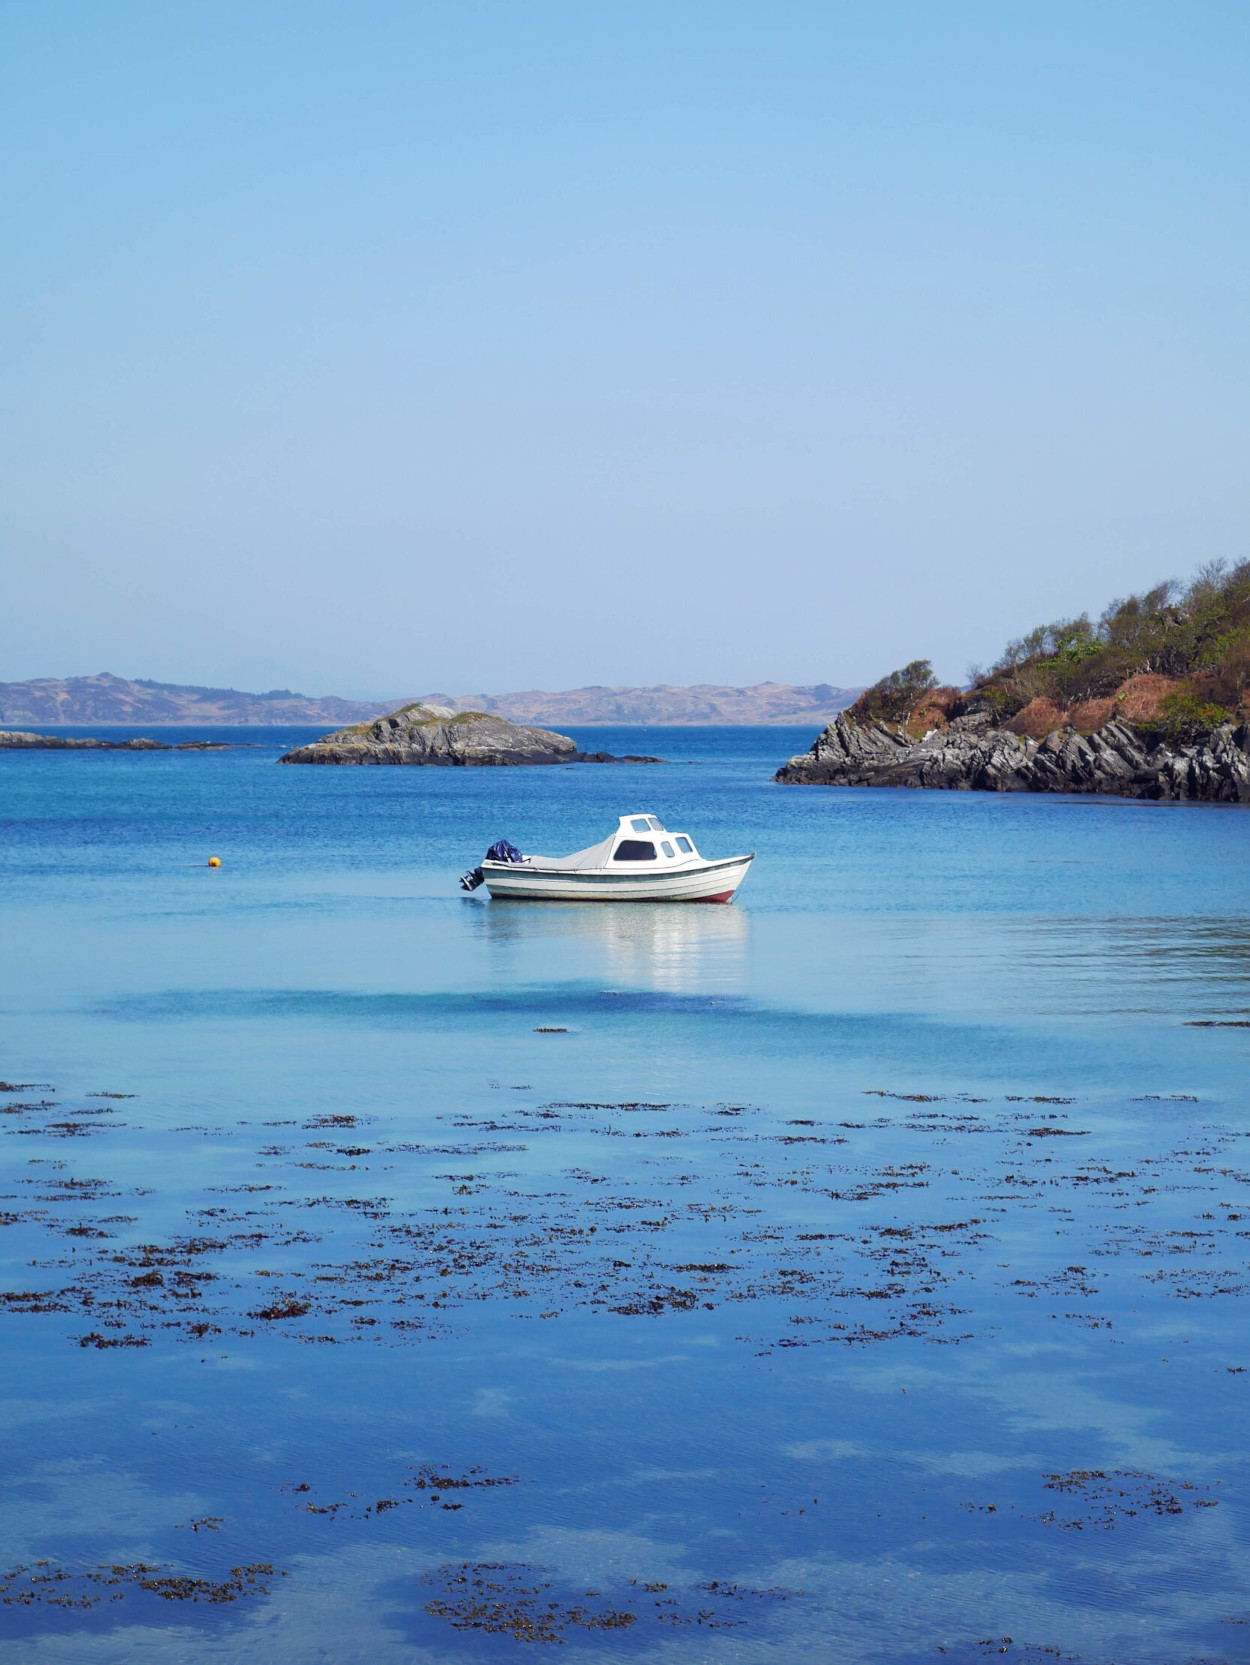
point(667, 946)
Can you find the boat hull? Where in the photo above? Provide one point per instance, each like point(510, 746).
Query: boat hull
point(706, 881)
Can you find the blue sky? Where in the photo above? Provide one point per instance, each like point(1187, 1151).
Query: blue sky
point(390, 347)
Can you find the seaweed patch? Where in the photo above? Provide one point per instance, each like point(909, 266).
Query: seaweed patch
point(46, 1583)
point(504, 1599)
point(518, 1600)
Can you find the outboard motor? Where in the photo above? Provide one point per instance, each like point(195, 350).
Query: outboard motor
point(501, 851)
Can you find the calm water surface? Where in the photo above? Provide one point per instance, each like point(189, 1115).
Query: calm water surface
point(857, 1273)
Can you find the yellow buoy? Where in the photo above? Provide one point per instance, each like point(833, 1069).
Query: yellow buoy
point(214, 861)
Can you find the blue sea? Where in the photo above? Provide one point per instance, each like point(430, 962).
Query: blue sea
point(856, 1273)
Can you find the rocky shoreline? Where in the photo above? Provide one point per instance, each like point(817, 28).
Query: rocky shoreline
point(973, 753)
point(432, 735)
point(13, 739)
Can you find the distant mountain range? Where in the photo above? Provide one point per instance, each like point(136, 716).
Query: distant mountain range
point(105, 699)
point(112, 699)
point(707, 704)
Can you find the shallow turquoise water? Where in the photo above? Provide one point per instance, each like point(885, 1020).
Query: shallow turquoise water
point(913, 1313)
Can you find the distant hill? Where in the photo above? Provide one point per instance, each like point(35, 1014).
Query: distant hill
point(706, 704)
point(112, 699)
point(104, 699)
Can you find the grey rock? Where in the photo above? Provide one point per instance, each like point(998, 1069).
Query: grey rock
point(430, 734)
point(971, 755)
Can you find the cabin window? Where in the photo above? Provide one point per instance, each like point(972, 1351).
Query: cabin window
point(656, 826)
point(667, 848)
point(686, 845)
point(635, 849)
point(640, 825)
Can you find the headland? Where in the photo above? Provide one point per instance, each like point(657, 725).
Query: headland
point(1150, 702)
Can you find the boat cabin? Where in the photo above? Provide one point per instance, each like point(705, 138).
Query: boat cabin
point(637, 839)
point(645, 838)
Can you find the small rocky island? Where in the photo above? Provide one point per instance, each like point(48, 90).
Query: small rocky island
point(432, 734)
point(1152, 702)
point(15, 739)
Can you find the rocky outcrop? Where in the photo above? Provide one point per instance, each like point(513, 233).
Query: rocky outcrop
point(431, 734)
point(972, 754)
point(13, 739)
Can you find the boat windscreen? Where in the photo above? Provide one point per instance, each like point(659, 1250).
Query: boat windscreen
point(635, 849)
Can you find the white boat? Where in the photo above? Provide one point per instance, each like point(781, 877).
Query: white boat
point(640, 862)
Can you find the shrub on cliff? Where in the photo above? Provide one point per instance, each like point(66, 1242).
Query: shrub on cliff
point(1185, 718)
point(893, 698)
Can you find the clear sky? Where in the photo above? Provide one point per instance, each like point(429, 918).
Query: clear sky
point(380, 347)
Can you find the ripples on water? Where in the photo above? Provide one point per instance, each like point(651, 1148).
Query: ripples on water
point(857, 1271)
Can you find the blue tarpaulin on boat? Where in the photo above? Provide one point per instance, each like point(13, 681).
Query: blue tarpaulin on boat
point(499, 851)
point(503, 851)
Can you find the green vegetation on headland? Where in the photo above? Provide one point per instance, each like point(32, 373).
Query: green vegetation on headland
point(1174, 661)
